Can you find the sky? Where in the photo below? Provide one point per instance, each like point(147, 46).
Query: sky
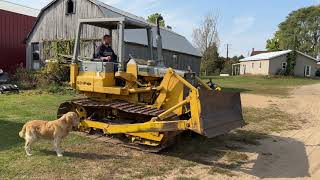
point(244, 24)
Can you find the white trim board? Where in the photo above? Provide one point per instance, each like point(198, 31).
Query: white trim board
point(19, 9)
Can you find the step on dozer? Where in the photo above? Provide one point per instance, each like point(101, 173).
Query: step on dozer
point(143, 102)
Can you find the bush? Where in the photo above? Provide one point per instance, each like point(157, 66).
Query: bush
point(25, 79)
point(54, 73)
point(281, 72)
point(227, 69)
point(51, 78)
point(55, 88)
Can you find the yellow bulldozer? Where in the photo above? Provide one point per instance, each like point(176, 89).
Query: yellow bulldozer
point(152, 104)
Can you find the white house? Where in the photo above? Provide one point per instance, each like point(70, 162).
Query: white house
point(270, 63)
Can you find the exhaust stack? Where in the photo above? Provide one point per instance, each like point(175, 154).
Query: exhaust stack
point(159, 42)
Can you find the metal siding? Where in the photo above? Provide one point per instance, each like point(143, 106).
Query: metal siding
point(184, 60)
point(13, 30)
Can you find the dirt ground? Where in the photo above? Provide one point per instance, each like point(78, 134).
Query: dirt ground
point(289, 154)
point(293, 154)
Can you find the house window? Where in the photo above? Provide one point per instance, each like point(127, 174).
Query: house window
point(70, 7)
point(252, 65)
point(284, 65)
point(307, 71)
point(260, 65)
point(35, 51)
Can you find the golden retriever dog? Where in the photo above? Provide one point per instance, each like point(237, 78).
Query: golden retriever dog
point(50, 130)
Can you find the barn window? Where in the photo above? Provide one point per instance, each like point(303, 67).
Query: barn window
point(70, 7)
point(35, 52)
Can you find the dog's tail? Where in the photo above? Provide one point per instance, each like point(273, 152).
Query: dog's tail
point(23, 131)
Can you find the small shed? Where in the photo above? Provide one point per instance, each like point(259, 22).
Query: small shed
point(271, 63)
point(55, 28)
point(15, 23)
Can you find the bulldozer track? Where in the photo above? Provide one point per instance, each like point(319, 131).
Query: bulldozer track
point(122, 105)
point(118, 142)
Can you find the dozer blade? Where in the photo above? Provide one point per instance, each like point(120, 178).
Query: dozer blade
point(220, 112)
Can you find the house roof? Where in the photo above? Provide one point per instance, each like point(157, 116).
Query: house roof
point(19, 9)
point(271, 55)
point(171, 40)
point(265, 56)
point(258, 52)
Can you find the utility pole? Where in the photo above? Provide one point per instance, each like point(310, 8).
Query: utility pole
point(228, 51)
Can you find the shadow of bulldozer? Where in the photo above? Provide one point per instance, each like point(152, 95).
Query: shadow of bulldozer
point(276, 157)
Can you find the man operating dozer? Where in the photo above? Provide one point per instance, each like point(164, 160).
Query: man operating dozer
point(104, 52)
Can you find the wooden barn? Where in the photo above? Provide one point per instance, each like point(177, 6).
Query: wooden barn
point(54, 31)
point(15, 23)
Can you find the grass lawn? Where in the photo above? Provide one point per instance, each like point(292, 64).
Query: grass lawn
point(276, 86)
point(85, 158)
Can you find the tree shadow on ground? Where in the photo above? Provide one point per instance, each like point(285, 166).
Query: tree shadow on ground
point(277, 157)
point(9, 134)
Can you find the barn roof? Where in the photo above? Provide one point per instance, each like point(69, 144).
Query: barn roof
point(19, 9)
point(271, 55)
point(171, 40)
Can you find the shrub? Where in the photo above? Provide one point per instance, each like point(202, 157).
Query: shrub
point(227, 69)
point(281, 72)
point(55, 88)
point(55, 73)
point(51, 78)
point(25, 79)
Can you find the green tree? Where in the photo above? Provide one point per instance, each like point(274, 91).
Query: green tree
point(153, 19)
point(235, 59)
point(273, 43)
point(240, 57)
point(205, 38)
point(210, 60)
point(300, 31)
point(219, 64)
point(227, 64)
